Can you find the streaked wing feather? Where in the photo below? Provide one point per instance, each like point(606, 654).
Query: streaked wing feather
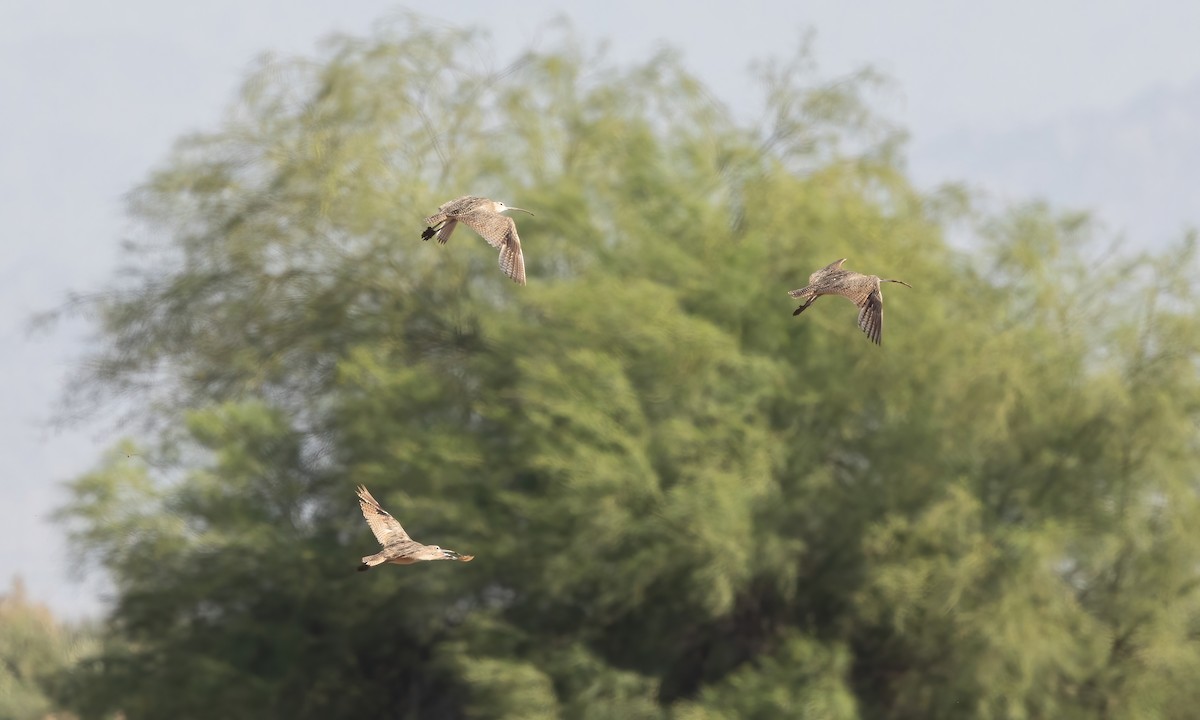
point(491, 226)
point(870, 316)
point(831, 267)
point(512, 262)
point(387, 529)
point(500, 231)
point(457, 206)
point(460, 204)
point(446, 230)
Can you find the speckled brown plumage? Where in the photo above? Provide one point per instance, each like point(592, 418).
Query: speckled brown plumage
point(484, 217)
point(863, 290)
point(398, 547)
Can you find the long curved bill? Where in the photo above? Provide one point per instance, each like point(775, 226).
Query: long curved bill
point(522, 210)
point(451, 555)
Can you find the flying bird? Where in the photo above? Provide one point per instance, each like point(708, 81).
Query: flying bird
point(484, 217)
point(398, 547)
point(863, 290)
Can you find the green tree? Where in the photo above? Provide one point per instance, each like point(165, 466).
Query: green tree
point(34, 647)
point(685, 503)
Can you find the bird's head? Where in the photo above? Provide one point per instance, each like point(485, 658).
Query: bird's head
point(451, 555)
point(501, 207)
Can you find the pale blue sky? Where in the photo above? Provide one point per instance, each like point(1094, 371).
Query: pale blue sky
point(1019, 94)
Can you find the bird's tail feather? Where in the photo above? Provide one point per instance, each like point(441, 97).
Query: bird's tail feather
point(371, 561)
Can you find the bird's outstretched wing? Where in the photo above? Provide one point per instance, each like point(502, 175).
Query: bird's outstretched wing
point(440, 226)
point(460, 204)
point(500, 231)
point(870, 315)
point(512, 263)
point(443, 222)
point(447, 229)
point(386, 528)
point(831, 267)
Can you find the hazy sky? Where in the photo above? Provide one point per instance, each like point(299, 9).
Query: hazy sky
point(92, 94)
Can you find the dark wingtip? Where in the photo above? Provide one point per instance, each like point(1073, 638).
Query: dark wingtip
point(363, 568)
point(429, 232)
point(799, 310)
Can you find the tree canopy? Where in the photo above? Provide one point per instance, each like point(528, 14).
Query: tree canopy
point(685, 503)
point(35, 649)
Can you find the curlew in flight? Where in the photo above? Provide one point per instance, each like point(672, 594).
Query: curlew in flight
point(398, 547)
point(483, 216)
point(863, 290)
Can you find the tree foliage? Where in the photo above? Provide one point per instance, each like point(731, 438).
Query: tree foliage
point(34, 649)
point(685, 503)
